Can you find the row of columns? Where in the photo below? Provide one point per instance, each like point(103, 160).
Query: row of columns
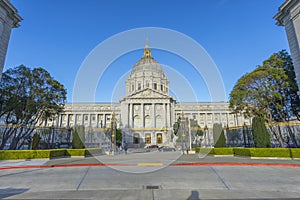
point(99, 123)
point(237, 120)
point(165, 114)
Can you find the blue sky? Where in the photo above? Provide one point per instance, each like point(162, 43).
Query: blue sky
point(59, 34)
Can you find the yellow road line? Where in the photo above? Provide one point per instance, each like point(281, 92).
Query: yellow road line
point(150, 164)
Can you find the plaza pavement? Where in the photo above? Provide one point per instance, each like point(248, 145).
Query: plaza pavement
point(151, 175)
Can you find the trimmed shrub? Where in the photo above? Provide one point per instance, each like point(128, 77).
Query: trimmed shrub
point(78, 138)
point(57, 153)
point(223, 151)
point(89, 152)
point(241, 152)
point(295, 153)
point(260, 133)
point(268, 152)
point(263, 152)
point(221, 142)
point(75, 152)
point(204, 150)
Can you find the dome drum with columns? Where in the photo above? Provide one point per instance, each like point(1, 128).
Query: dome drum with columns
point(147, 113)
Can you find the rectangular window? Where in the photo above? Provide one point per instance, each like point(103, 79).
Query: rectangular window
point(139, 86)
point(161, 87)
point(155, 86)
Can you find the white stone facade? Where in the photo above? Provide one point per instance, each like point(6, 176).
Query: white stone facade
point(289, 17)
point(147, 113)
point(9, 19)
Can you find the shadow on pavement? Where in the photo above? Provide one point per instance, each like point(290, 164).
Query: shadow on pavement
point(7, 192)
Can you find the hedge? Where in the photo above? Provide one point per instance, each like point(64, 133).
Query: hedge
point(253, 152)
point(295, 153)
point(51, 153)
point(241, 152)
point(223, 151)
point(263, 152)
point(204, 150)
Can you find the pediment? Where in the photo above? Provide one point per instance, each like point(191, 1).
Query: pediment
point(148, 93)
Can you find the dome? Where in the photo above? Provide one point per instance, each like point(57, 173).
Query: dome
point(147, 62)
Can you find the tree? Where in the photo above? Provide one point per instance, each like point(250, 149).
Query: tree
point(118, 137)
point(176, 126)
point(270, 92)
point(218, 135)
point(78, 140)
point(260, 133)
point(28, 97)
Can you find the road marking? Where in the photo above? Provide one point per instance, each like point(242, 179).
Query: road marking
point(150, 164)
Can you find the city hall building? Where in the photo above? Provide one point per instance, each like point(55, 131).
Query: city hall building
point(147, 112)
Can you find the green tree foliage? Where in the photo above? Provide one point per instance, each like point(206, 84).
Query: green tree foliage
point(28, 97)
point(218, 135)
point(176, 126)
point(270, 92)
point(35, 141)
point(221, 141)
point(260, 133)
point(119, 137)
point(78, 140)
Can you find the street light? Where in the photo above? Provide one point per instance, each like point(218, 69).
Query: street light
point(182, 131)
point(206, 135)
point(113, 133)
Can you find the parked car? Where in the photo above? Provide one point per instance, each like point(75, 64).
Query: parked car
point(166, 148)
point(152, 147)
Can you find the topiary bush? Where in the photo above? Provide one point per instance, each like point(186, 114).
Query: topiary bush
point(78, 138)
point(260, 133)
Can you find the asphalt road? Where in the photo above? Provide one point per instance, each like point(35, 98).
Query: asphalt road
point(150, 176)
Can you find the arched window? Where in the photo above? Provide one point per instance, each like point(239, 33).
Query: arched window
point(148, 138)
point(159, 139)
point(158, 122)
point(148, 122)
point(137, 122)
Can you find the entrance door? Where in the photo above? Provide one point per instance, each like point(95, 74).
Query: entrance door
point(159, 138)
point(148, 138)
point(136, 138)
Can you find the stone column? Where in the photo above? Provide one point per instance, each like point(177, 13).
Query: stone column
point(97, 120)
point(153, 115)
point(68, 120)
point(130, 119)
point(142, 116)
point(9, 18)
point(289, 16)
point(75, 119)
point(168, 116)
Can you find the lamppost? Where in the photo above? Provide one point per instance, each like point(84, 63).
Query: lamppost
point(244, 133)
point(52, 139)
point(206, 135)
point(182, 131)
point(123, 135)
point(113, 134)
